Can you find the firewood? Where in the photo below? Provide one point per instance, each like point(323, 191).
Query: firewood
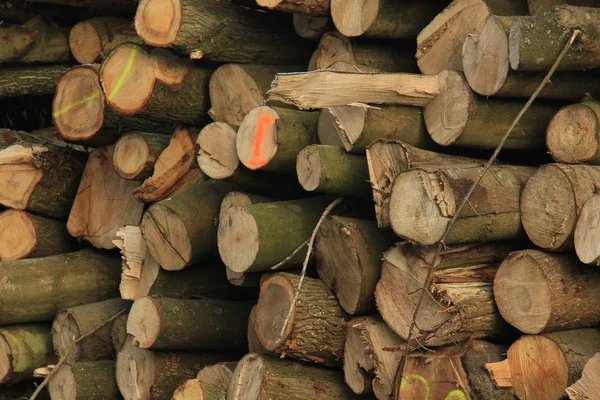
point(25, 235)
point(387, 158)
point(348, 256)
point(536, 41)
point(270, 138)
point(178, 324)
point(306, 7)
point(218, 374)
point(461, 305)
point(30, 81)
point(23, 348)
point(92, 380)
point(459, 117)
point(588, 385)
point(182, 229)
point(233, 199)
point(439, 45)
point(93, 39)
point(586, 235)
point(311, 28)
point(254, 345)
point(258, 236)
point(549, 216)
point(195, 27)
point(543, 292)
point(540, 6)
point(418, 214)
point(69, 280)
point(543, 366)
point(136, 153)
point(217, 156)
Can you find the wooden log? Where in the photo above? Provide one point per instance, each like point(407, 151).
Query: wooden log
point(543, 292)
point(461, 305)
point(418, 214)
point(458, 117)
point(24, 235)
point(536, 41)
point(587, 385)
point(270, 138)
point(118, 332)
point(23, 348)
point(549, 217)
point(178, 324)
point(233, 199)
point(586, 232)
point(439, 45)
point(30, 81)
point(93, 39)
point(197, 389)
point(217, 156)
point(70, 280)
point(136, 153)
point(93, 380)
point(182, 229)
point(310, 7)
point(258, 236)
point(540, 6)
point(218, 374)
point(195, 27)
point(311, 28)
point(348, 256)
point(543, 366)
point(254, 345)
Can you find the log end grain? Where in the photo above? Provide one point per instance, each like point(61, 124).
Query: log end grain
point(63, 384)
point(310, 27)
point(354, 17)
point(64, 329)
point(135, 372)
point(276, 299)
point(309, 168)
point(131, 155)
point(246, 382)
point(169, 68)
point(190, 390)
point(589, 385)
point(333, 47)
point(238, 239)
point(217, 156)
point(587, 232)
point(85, 42)
point(158, 22)
point(350, 123)
point(18, 235)
point(143, 322)
point(256, 141)
point(572, 135)
point(358, 363)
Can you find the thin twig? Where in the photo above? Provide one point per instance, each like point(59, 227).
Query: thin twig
point(68, 352)
point(292, 255)
point(441, 244)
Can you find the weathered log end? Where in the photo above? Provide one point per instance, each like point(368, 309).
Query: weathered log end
point(18, 235)
point(217, 156)
point(587, 232)
point(158, 21)
point(143, 322)
point(256, 141)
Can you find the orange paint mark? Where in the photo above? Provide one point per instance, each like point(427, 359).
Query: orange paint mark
point(264, 122)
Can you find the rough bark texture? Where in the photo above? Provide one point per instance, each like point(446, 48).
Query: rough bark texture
point(587, 386)
point(91, 40)
point(23, 348)
point(306, 7)
point(482, 386)
point(540, 6)
point(85, 380)
point(30, 81)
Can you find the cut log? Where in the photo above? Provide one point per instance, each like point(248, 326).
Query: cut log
point(217, 374)
point(233, 199)
point(178, 324)
point(387, 158)
point(310, 7)
point(541, 367)
point(312, 28)
point(104, 202)
point(30, 81)
point(424, 200)
point(461, 305)
point(136, 153)
point(535, 42)
point(586, 236)
point(41, 179)
point(254, 345)
point(91, 40)
point(540, 6)
point(195, 27)
point(348, 256)
point(588, 385)
point(85, 380)
point(24, 235)
point(258, 236)
point(69, 280)
point(217, 156)
point(118, 332)
point(459, 117)
point(195, 389)
point(543, 292)
point(270, 138)
point(549, 216)
point(182, 229)
point(23, 348)
point(439, 45)
point(71, 323)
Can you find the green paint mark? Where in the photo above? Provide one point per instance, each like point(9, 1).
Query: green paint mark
point(417, 378)
point(77, 103)
point(456, 394)
point(124, 75)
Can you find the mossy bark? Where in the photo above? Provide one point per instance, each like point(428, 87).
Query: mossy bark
point(30, 81)
point(27, 347)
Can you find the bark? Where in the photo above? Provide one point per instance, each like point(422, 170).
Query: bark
point(233, 199)
point(30, 81)
point(310, 7)
point(136, 153)
point(479, 353)
point(118, 332)
point(70, 280)
point(312, 28)
point(23, 348)
point(587, 386)
point(586, 233)
point(197, 389)
point(540, 6)
point(93, 380)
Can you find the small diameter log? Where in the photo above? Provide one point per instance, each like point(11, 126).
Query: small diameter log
point(136, 153)
point(549, 216)
point(543, 292)
point(69, 280)
point(310, 7)
point(91, 40)
point(73, 322)
point(587, 235)
point(24, 235)
point(195, 27)
point(218, 374)
point(459, 117)
point(254, 345)
point(178, 324)
point(542, 366)
point(311, 28)
point(439, 45)
point(258, 236)
point(195, 389)
point(233, 199)
point(540, 6)
point(92, 380)
point(30, 81)
point(104, 202)
point(182, 229)
point(424, 200)
point(588, 385)
point(348, 257)
point(23, 348)
point(535, 42)
point(217, 156)
point(270, 138)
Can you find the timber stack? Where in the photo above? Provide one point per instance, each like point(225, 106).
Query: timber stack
point(265, 199)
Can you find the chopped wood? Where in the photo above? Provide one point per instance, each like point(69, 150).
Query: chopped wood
point(254, 345)
point(540, 6)
point(23, 348)
point(92, 380)
point(588, 385)
point(136, 153)
point(311, 28)
point(93, 39)
point(30, 81)
point(233, 199)
point(586, 236)
point(217, 156)
point(306, 7)
point(194, 389)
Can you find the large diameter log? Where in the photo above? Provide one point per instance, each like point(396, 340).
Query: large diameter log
point(587, 235)
point(535, 42)
point(348, 256)
point(258, 236)
point(178, 324)
point(588, 385)
point(25, 235)
point(30, 81)
point(136, 153)
point(258, 377)
point(23, 348)
point(543, 292)
point(549, 216)
point(418, 214)
point(69, 280)
point(311, 28)
point(540, 6)
point(315, 330)
point(311, 7)
point(459, 117)
point(182, 229)
point(195, 27)
point(85, 380)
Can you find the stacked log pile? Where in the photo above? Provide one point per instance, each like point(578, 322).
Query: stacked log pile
point(261, 199)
